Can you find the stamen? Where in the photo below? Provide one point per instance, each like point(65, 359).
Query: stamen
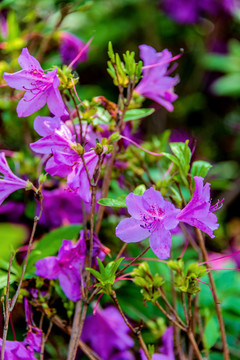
point(140, 147)
point(97, 302)
point(74, 88)
point(220, 258)
point(80, 53)
point(209, 288)
point(162, 63)
point(217, 206)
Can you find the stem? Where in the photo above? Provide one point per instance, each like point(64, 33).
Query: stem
point(7, 310)
point(184, 307)
point(189, 310)
point(136, 332)
point(74, 334)
point(80, 314)
point(44, 340)
point(133, 261)
point(108, 173)
point(123, 248)
point(170, 317)
point(218, 309)
point(10, 306)
point(171, 308)
point(194, 344)
point(67, 329)
point(70, 115)
point(78, 115)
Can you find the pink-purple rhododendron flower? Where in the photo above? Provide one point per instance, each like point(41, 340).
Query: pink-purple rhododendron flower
point(70, 47)
point(8, 181)
point(154, 217)
point(156, 84)
point(24, 350)
point(68, 264)
point(199, 212)
point(58, 140)
point(40, 88)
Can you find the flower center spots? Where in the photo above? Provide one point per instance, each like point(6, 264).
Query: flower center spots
point(152, 222)
point(39, 85)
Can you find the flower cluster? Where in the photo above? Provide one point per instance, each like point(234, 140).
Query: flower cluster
point(67, 156)
point(10, 182)
point(156, 84)
point(40, 88)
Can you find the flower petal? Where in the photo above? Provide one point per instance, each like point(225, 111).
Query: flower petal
point(28, 62)
point(48, 268)
point(71, 284)
point(31, 103)
point(160, 242)
point(135, 206)
point(130, 230)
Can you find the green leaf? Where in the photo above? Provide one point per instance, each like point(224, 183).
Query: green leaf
point(95, 273)
point(211, 333)
point(183, 153)
point(200, 168)
point(101, 266)
point(3, 279)
point(140, 189)
point(135, 114)
point(50, 244)
point(11, 235)
point(172, 158)
point(120, 202)
point(228, 85)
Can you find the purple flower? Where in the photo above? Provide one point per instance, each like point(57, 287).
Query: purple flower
point(15, 350)
point(107, 334)
point(190, 11)
point(61, 207)
point(59, 141)
point(67, 265)
point(12, 210)
point(156, 84)
point(198, 211)
point(70, 47)
point(167, 349)
point(40, 88)
point(8, 181)
point(151, 216)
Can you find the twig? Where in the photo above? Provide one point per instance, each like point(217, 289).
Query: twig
point(74, 333)
point(7, 309)
point(70, 115)
point(80, 314)
point(136, 332)
point(10, 305)
point(44, 340)
point(184, 306)
point(194, 345)
point(67, 329)
point(218, 309)
point(133, 261)
point(78, 115)
point(170, 317)
point(123, 248)
point(171, 308)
